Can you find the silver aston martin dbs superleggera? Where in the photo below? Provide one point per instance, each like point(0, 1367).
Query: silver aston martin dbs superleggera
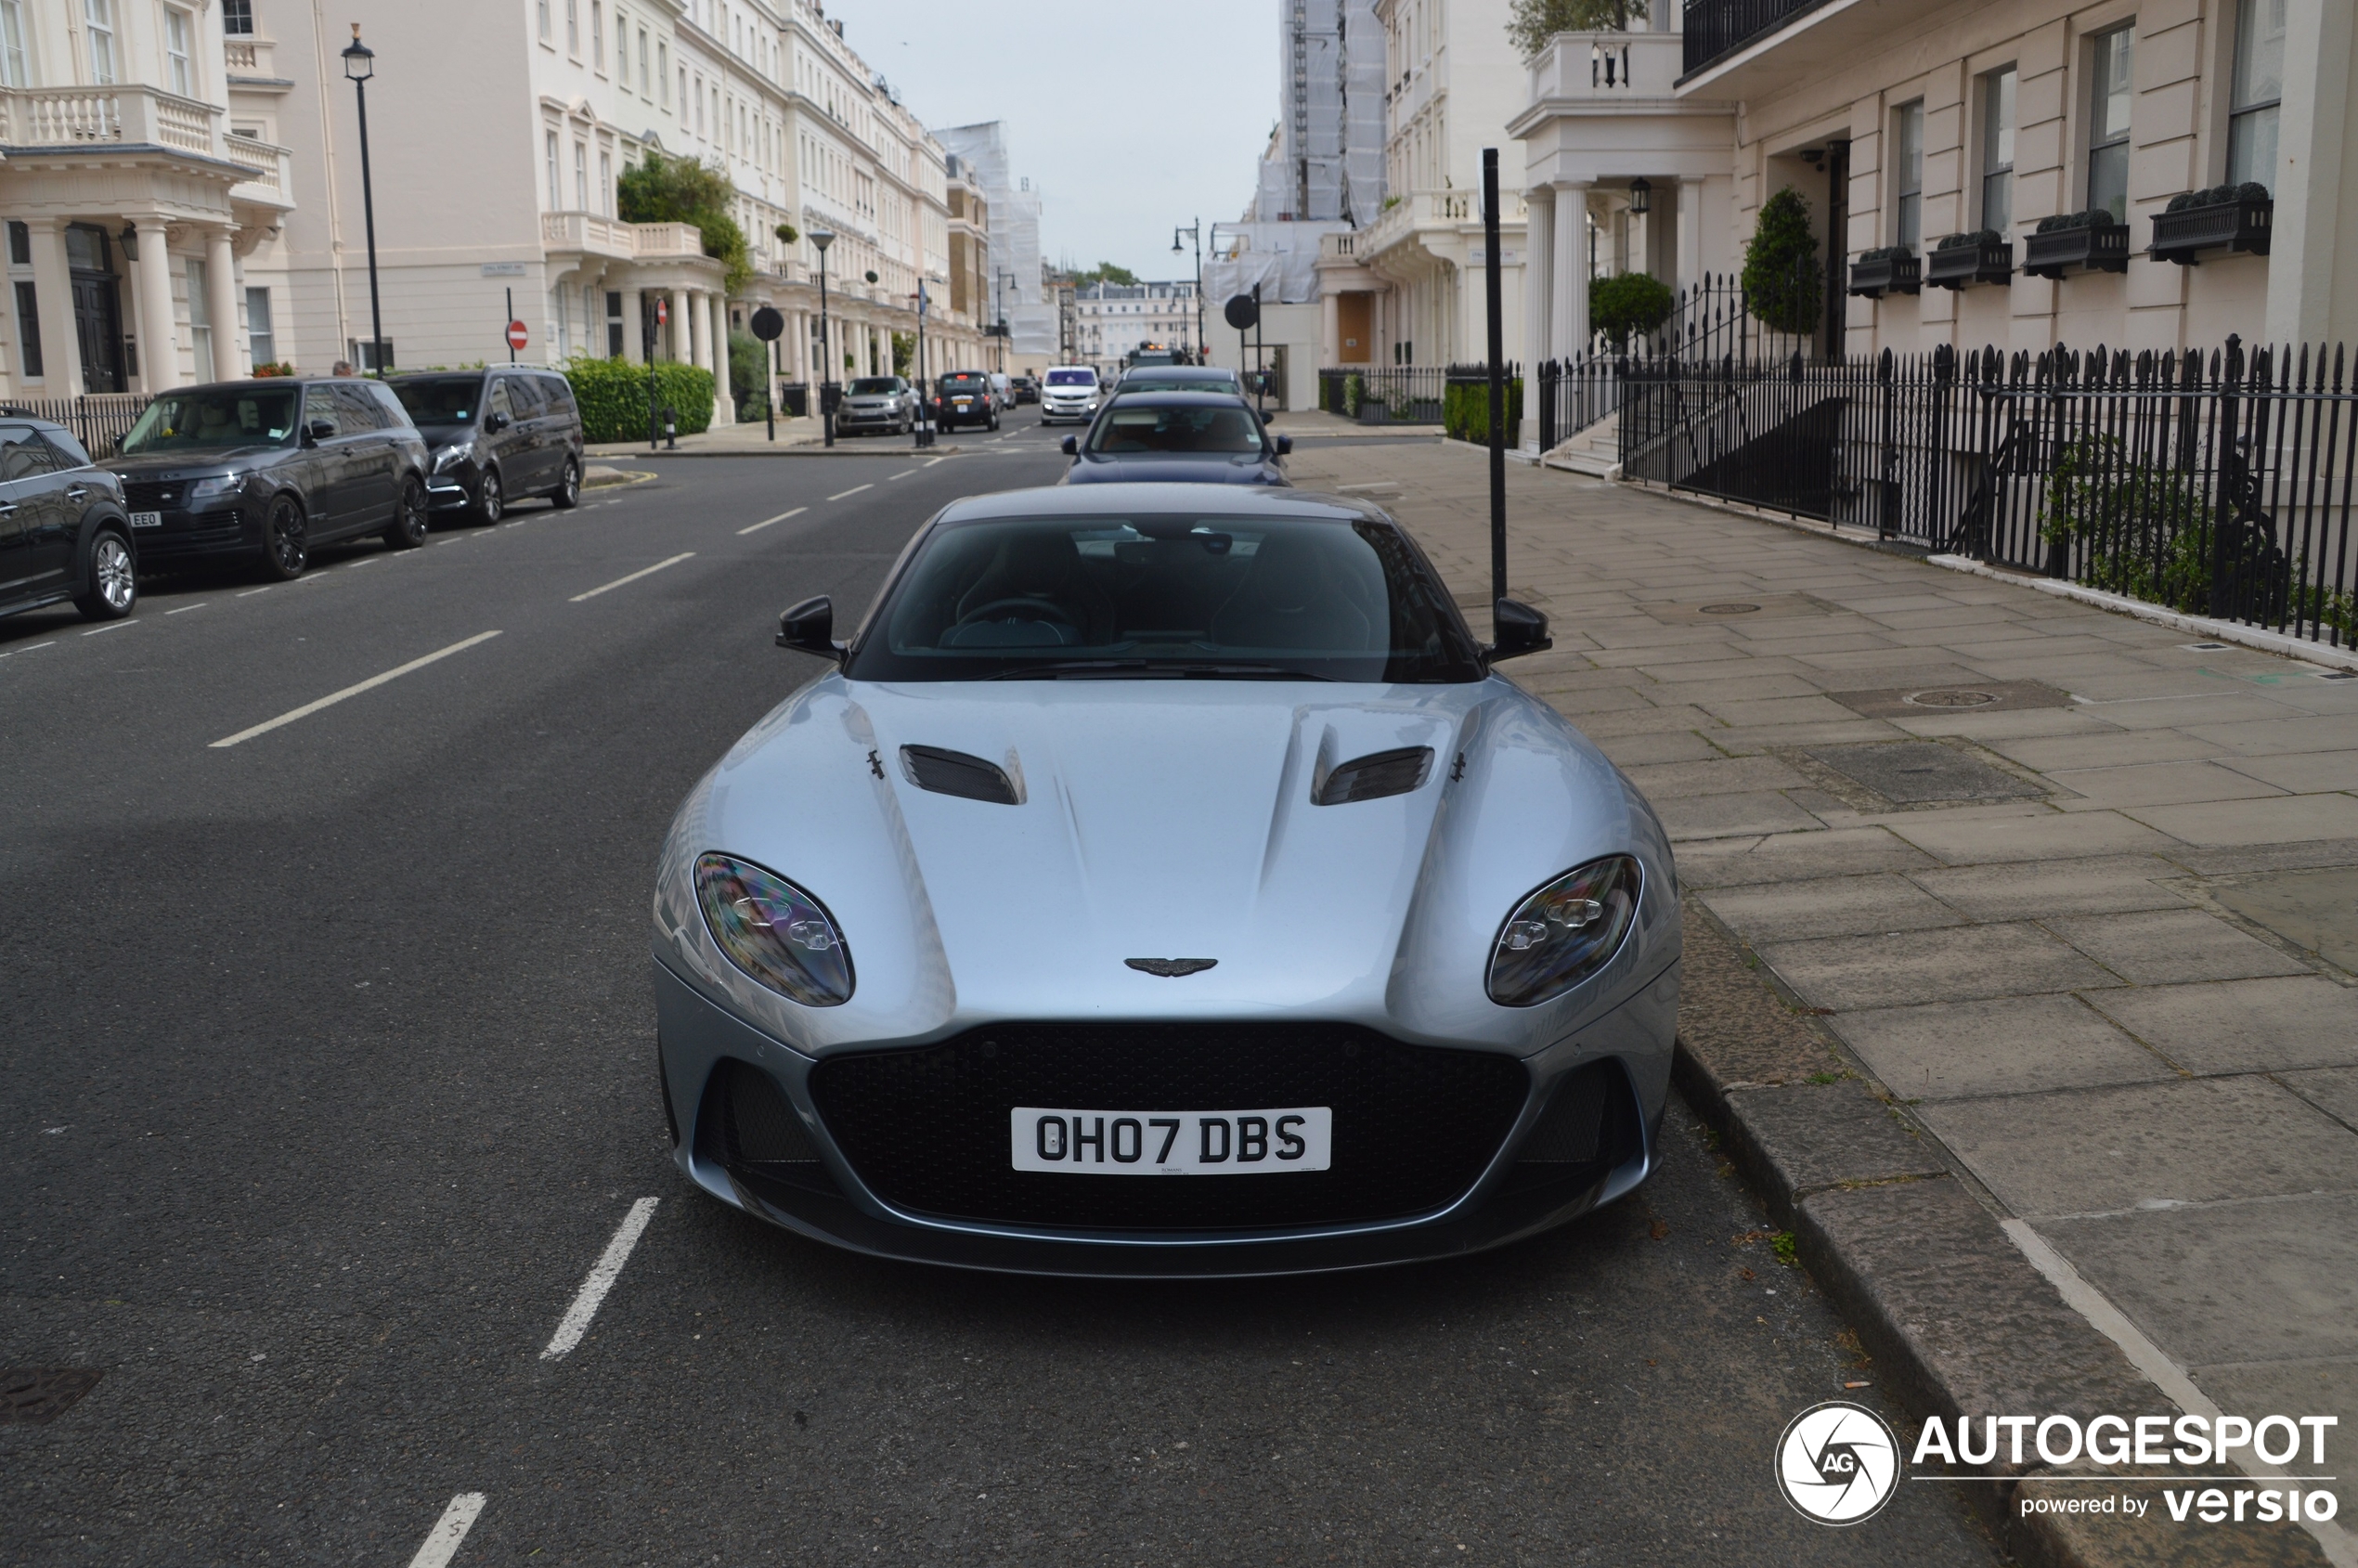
point(1161, 883)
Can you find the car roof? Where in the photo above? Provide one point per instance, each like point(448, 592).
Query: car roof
point(1188, 372)
point(1150, 498)
point(1163, 398)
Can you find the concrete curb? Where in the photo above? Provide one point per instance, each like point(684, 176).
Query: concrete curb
point(808, 450)
point(1955, 1317)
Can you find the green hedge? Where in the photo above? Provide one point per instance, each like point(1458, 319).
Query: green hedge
point(613, 395)
point(1465, 410)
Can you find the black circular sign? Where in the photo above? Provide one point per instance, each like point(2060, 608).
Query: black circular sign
point(1242, 311)
point(768, 324)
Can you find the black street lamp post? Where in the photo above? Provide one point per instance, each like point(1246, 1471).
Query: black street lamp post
point(1195, 232)
point(359, 65)
point(823, 238)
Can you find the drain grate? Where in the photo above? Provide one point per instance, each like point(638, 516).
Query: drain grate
point(1921, 773)
point(37, 1395)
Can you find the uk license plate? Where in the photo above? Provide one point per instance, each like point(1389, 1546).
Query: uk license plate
point(146, 519)
point(1173, 1143)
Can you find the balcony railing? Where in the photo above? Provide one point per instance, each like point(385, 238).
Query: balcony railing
point(1433, 209)
point(94, 116)
point(1717, 27)
point(273, 184)
point(248, 55)
point(657, 241)
point(1607, 66)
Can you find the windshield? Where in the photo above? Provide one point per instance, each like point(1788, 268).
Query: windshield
point(1150, 382)
point(964, 382)
point(1129, 430)
point(213, 417)
point(1072, 378)
point(452, 400)
point(1167, 597)
point(874, 386)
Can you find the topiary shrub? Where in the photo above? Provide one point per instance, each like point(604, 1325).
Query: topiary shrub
point(612, 396)
point(1629, 303)
point(1465, 410)
point(1781, 280)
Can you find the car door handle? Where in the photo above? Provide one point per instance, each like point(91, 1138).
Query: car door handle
point(6, 507)
point(75, 492)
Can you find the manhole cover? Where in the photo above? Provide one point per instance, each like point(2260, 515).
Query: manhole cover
point(1921, 772)
point(1949, 697)
point(1984, 697)
point(35, 1396)
point(1726, 609)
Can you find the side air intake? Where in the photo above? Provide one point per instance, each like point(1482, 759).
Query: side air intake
point(1375, 775)
point(954, 773)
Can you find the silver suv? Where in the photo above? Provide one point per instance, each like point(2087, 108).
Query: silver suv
point(877, 403)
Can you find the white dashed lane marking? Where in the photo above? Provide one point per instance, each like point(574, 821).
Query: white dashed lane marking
point(643, 571)
point(442, 1541)
point(608, 1269)
point(902, 474)
point(853, 491)
point(353, 691)
point(767, 521)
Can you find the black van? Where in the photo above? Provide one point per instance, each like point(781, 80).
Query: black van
point(496, 436)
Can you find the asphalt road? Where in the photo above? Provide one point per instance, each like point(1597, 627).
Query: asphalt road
point(327, 1075)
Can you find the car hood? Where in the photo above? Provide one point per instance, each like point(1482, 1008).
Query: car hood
point(1164, 820)
point(189, 466)
point(1206, 469)
point(437, 436)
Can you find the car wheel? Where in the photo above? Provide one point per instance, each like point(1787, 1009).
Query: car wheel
point(568, 491)
point(113, 585)
point(409, 521)
point(286, 546)
point(492, 501)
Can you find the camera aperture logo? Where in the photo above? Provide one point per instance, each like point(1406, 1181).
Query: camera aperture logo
point(1838, 1463)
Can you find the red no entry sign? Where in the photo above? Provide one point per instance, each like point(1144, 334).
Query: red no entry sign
point(663, 310)
point(517, 337)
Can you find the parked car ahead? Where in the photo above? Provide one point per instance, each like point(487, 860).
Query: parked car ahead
point(495, 436)
point(965, 398)
point(1181, 378)
point(268, 471)
point(885, 403)
point(1187, 437)
point(1027, 390)
point(64, 531)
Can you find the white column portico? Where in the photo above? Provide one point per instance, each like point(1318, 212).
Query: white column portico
point(230, 359)
point(1571, 271)
point(159, 341)
point(53, 286)
point(1538, 300)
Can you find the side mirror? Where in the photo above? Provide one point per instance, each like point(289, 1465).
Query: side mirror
point(1519, 630)
point(1069, 446)
point(495, 421)
point(1285, 446)
point(811, 626)
point(320, 430)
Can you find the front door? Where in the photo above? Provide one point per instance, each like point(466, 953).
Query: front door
point(1352, 325)
point(98, 309)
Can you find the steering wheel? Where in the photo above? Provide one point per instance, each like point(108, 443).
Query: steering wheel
point(1027, 609)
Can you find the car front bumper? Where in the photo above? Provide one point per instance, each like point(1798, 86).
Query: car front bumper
point(1510, 1199)
point(215, 532)
point(849, 416)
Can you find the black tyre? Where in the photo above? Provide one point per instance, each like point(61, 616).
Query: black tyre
point(491, 498)
point(411, 522)
point(286, 541)
point(568, 491)
point(113, 584)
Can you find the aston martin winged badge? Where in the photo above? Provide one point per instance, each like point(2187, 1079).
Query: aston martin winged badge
point(1170, 968)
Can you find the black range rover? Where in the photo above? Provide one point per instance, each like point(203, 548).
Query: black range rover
point(268, 471)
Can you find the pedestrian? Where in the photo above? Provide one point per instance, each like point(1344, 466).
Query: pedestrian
point(344, 367)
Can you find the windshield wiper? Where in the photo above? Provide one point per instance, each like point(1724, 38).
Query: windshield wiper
point(1156, 670)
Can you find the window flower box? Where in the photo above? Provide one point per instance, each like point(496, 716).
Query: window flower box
point(2225, 217)
point(1962, 260)
point(1893, 269)
point(2092, 242)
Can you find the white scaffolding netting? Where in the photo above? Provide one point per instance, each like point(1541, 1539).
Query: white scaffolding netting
point(1015, 284)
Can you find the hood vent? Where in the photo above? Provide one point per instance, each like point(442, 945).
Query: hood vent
point(954, 773)
point(1374, 776)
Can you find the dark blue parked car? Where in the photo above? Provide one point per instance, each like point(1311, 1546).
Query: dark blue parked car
point(1186, 437)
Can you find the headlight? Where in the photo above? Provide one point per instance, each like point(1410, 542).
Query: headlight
point(773, 931)
point(1564, 933)
point(216, 485)
point(456, 452)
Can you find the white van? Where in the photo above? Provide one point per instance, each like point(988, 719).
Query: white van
point(1069, 392)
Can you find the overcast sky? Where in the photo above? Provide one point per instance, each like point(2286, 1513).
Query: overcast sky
point(1129, 117)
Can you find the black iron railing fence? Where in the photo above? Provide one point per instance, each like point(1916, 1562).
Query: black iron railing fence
point(1384, 394)
point(2220, 485)
point(1718, 27)
point(99, 421)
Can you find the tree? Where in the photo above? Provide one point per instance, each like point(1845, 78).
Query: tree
point(1106, 272)
point(788, 233)
point(1530, 23)
point(1626, 303)
point(1781, 279)
point(660, 190)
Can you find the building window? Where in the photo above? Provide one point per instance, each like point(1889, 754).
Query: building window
point(12, 72)
point(598, 35)
point(201, 318)
point(543, 8)
point(2111, 86)
point(606, 184)
point(573, 27)
point(176, 50)
point(1998, 150)
point(556, 191)
point(2258, 84)
point(28, 330)
point(581, 176)
point(614, 324)
point(99, 14)
point(237, 18)
point(20, 243)
point(1908, 172)
point(260, 334)
point(646, 87)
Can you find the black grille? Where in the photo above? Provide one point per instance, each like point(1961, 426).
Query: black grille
point(1588, 1129)
point(1375, 776)
point(953, 772)
point(929, 1129)
point(759, 1137)
point(146, 495)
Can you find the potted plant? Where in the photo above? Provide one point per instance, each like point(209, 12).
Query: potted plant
point(1893, 269)
point(2228, 218)
point(2094, 240)
point(1981, 255)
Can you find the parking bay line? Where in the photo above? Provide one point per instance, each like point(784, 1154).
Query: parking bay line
point(607, 1269)
point(853, 491)
point(334, 697)
point(767, 521)
point(442, 1541)
point(633, 577)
